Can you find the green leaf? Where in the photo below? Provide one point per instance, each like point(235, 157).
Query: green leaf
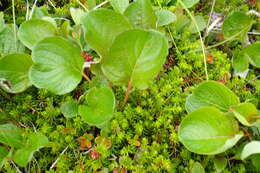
point(11, 135)
point(211, 93)
point(209, 131)
point(58, 65)
point(256, 160)
point(90, 4)
point(2, 22)
point(24, 155)
point(101, 28)
point(119, 5)
point(251, 148)
point(197, 168)
point(14, 69)
point(8, 43)
point(252, 52)
point(165, 17)
point(190, 3)
point(69, 109)
point(3, 154)
point(37, 141)
point(200, 22)
point(140, 13)
point(100, 106)
point(236, 25)
point(40, 12)
point(220, 163)
point(245, 113)
point(76, 14)
point(240, 62)
point(33, 31)
point(136, 56)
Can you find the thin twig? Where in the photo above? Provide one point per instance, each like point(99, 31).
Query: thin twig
point(56, 161)
point(85, 76)
point(213, 24)
point(100, 5)
point(52, 4)
point(16, 167)
point(83, 6)
point(14, 27)
point(27, 10)
point(34, 5)
point(210, 16)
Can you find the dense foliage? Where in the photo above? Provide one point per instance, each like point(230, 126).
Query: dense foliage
point(120, 86)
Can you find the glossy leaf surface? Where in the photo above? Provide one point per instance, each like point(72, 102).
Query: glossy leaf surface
point(165, 17)
point(141, 15)
point(11, 135)
point(211, 93)
point(33, 31)
point(69, 109)
point(57, 65)
point(100, 106)
point(209, 131)
point(101, 28)
point(236, 25)
point(119, 5)
point(136, 56)
point(14, 69)
point(245, 113)
point(250, 149)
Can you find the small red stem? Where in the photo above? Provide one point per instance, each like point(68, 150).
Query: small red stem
point(127, 93)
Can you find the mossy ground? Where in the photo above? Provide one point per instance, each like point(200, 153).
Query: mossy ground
point(144, 135)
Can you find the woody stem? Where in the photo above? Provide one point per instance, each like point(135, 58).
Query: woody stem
point(127, 93)
point(85, 76)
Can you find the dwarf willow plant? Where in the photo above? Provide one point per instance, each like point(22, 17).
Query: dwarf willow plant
point(131, 53)
point(212, 125)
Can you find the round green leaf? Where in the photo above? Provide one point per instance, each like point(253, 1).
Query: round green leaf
point(11, 135)
point(197, 168)
point(252, 52)
point(33, 31)
point(136, 56)
point(119, 5)
point(209, 131)
point(220, 163)
point(165, 17)
point(69, 109)
point(24, 155)
point(200, 23)
point(141, 15)
point(190, 3)
point(58, 65)
point(100, 106)
point(211, 93)
point(14, 69)
point(101, 28)
point(236, 25)
point(240, 62)
point(245, 113)
point(8, 43)
point(250, 149)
